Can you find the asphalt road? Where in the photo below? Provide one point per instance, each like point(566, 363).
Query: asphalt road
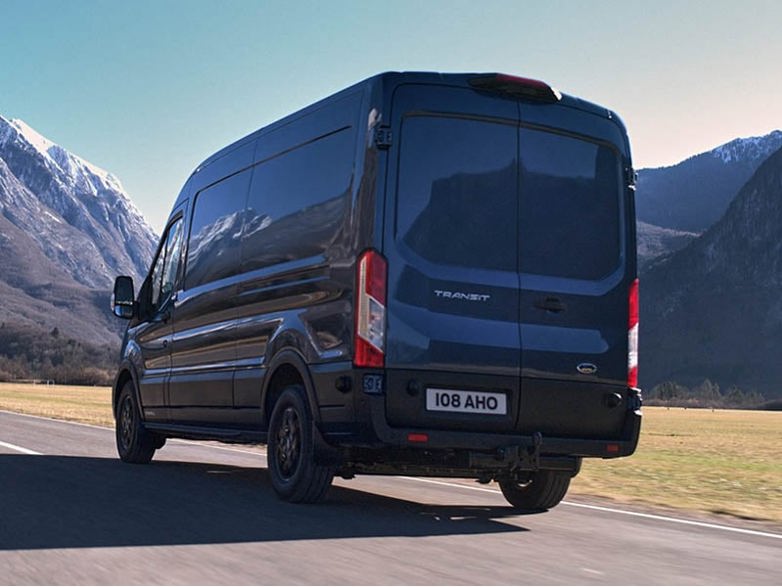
point(72, 513)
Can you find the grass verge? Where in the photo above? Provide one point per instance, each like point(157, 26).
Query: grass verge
point(718, 462)
point(90, 405)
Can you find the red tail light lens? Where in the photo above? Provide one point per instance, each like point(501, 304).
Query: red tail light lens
point(632, 336)
point(517, 86)
point(370, 331)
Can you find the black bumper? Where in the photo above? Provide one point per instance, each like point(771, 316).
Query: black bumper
point(481, 441)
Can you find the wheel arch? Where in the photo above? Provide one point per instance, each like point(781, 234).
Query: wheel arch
point(125, 374)
point(288, 367)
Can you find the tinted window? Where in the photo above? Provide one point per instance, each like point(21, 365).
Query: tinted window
point(298, 201)
point(157, 277)
point(164, 270)
point(456, 198)
point(215, 231)
point(173, 259)
point(570, 215)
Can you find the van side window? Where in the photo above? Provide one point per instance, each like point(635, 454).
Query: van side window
point(298, 201)
point(173, 259)
point(570, 206)
point(164, 271)
point(456, 194)
point(216, 230)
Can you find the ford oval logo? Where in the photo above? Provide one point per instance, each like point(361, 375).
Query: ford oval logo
point(587, 368)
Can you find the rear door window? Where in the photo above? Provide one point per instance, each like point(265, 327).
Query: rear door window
point(570, 206)
point(456, 202)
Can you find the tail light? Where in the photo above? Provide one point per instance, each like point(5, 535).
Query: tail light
point(632, 336)
point(369, 340)
point(520, 87)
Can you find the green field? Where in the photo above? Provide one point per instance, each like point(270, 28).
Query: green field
point(722, 461)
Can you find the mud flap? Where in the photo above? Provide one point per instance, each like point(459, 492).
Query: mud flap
point(324, 453)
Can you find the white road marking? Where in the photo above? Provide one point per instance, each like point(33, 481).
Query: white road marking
point(111, 429)
point(449, 484)
point(668, 519)
point(618, 511)
point(21, 449)
point(218, 447)
point(674, 520)
point(56, 420)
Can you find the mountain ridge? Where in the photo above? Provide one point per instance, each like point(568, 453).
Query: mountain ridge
point(66, 229)
point(712, 310)
point(693, 194)
point(75, 211)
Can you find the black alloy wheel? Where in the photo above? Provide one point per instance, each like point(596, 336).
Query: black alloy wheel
point(134, 443)
point(289, 443)
point(294, 472)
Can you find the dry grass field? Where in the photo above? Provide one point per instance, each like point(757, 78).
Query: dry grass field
point(91, 405)
point(723, 461)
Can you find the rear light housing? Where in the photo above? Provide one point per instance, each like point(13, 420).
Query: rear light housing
point(632, 336)
point(369, 340)
point(520, 87)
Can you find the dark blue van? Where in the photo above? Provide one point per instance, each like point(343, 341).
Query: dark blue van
point(424, 274)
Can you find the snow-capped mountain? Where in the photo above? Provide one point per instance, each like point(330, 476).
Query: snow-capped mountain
point(713, 310)
point(751, 149)
point(692, 195)
point(76, 214)
point(67, 229)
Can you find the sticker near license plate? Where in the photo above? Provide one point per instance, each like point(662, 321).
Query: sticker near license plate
point(471, 402)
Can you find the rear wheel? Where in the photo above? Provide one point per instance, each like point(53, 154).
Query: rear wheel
point(295, 475)
point(134, 443)
point(541, 491)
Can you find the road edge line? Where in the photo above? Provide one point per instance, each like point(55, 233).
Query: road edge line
point(20, 449)
point(657, 517)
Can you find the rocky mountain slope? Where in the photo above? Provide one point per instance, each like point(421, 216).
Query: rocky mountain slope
point(714, 310)
point(656, 241)
point(77, 214)
point(66, 229)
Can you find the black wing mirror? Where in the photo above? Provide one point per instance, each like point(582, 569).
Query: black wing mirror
point(123, 302)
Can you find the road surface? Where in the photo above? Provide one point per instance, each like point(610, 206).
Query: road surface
point(72, 513)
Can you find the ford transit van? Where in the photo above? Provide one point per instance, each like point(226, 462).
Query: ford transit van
point(423, 274)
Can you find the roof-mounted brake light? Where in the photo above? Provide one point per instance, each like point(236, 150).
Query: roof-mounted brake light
point(521, 87)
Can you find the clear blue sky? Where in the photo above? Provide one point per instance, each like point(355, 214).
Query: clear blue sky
point(148, 89)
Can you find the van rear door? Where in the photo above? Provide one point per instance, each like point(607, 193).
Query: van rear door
point(453, 351)
point(575, 226)
point(508, 234)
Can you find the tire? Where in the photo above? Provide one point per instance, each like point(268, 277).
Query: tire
point(542, 491)
point(134, 443)
point(295, 475)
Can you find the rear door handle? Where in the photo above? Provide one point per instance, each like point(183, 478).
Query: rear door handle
point(551, 304)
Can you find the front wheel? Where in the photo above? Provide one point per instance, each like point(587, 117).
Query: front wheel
point(134, 443)
point(541, 491)
point(295, 475)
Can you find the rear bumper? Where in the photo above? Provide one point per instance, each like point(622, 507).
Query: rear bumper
point(502, 443)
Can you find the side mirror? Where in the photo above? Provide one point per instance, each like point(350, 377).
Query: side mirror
point(123, 302)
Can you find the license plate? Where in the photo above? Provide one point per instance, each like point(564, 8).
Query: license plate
point(469, 402)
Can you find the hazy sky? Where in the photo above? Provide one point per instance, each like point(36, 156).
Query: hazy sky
point(147, 90)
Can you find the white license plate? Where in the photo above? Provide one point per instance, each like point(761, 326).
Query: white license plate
point(470, 402)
